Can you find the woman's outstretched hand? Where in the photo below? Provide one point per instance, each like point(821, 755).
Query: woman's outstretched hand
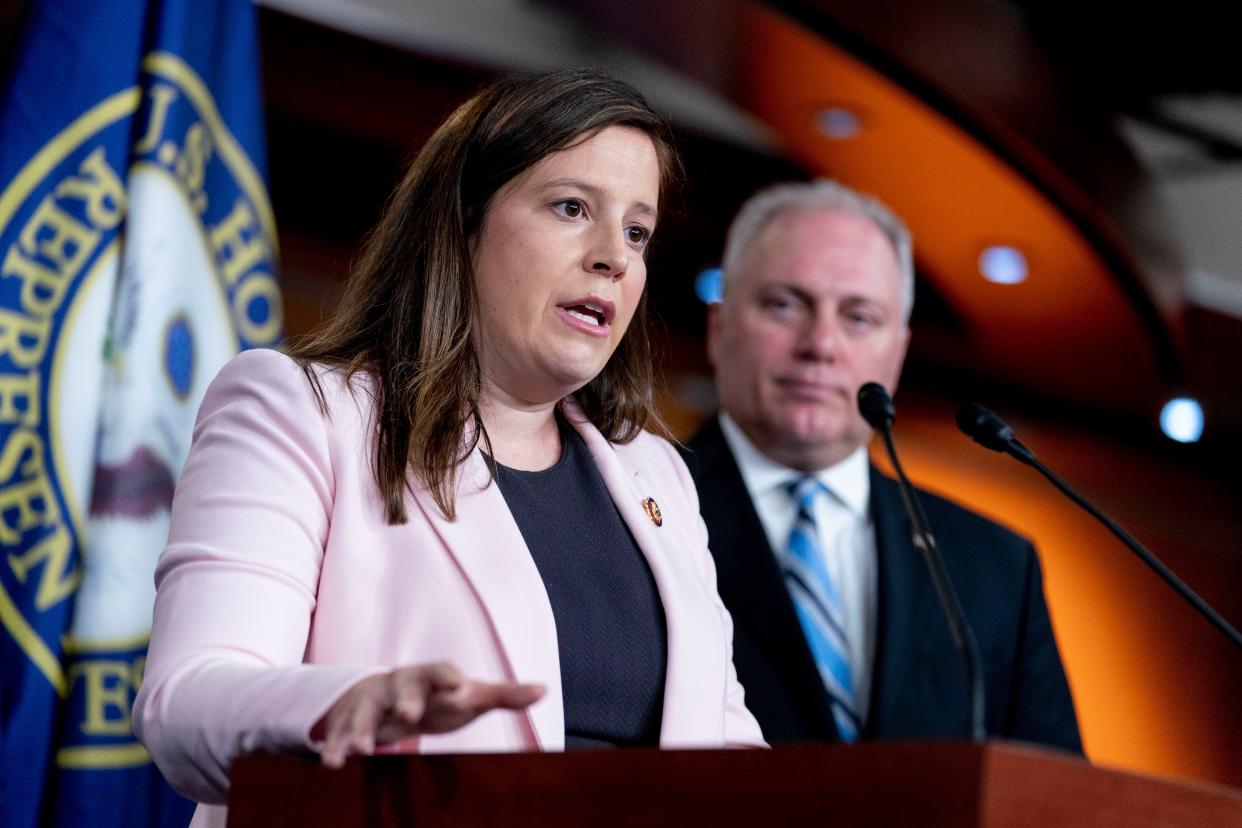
point(429, 698)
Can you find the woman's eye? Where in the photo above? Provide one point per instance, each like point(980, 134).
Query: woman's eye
point(569, 208)
point(637, 234)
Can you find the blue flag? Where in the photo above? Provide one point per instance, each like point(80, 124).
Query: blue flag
point(137, 254)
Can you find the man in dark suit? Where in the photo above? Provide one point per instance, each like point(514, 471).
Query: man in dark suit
point(837, 631)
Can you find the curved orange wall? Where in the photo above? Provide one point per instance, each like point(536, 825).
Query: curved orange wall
point(1157, 688)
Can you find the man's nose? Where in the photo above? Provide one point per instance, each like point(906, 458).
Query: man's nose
point(821, 338)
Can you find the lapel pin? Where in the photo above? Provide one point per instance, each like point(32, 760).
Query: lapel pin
point(653, 511)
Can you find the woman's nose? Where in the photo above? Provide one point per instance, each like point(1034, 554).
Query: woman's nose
point(608, 256)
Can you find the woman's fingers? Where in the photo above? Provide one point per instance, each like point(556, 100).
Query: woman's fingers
point(441, 675)
point(518, 696)
point(335, 747)
point(364, 719)
point(429, 698)
point(450, 710)
point(351, 723)
point(507, 696)
point(410, 689)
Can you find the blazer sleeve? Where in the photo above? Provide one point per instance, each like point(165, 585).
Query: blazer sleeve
point(741, 729)
point(236, 584)
point(1041, 708)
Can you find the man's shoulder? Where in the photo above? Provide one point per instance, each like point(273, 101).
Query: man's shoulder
point(707, 436)
point(951, 522)
point(706, 452)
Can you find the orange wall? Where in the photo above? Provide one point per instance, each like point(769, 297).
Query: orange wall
point(1157, 688)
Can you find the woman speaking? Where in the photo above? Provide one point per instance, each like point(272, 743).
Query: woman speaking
point(437, 524)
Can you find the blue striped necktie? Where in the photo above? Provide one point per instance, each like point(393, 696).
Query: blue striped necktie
point(819, 606)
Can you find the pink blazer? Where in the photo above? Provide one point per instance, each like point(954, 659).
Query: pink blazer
point(282, 585)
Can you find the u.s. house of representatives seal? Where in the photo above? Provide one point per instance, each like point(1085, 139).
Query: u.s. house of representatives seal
point(139, 253)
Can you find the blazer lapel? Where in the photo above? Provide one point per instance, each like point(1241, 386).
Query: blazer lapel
point(695, 671)
point(487, 544)
point(750, 578)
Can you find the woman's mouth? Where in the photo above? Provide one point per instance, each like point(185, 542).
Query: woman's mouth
point(587, 313)
point(591, 315)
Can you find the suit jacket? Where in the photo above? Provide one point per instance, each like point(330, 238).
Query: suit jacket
point(918, 689)
point(282, 585)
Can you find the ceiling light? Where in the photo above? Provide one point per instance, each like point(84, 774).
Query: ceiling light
point(709, 285)
point(1181, 419)
point(1003, 265)
point(838, 123)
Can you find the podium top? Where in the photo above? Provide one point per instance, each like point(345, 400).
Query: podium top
point(926, 784)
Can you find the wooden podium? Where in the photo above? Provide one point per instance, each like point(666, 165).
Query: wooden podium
point(925, 784)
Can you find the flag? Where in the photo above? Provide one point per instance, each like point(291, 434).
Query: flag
point(137, 254)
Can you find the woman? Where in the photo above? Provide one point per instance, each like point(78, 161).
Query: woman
point(444, 504)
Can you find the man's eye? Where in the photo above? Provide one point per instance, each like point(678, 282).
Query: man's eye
point(861, 319)
point(569, 208)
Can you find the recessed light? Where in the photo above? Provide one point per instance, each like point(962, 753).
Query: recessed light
point(838, 123)
point(709, 285)
point(1003, 265)
point(1181, 419)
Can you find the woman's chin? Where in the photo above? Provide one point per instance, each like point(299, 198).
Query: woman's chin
point(573, 370)
point(571, 382)
point(549, 384)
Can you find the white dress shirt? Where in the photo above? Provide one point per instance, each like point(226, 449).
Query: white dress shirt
point(845, 531)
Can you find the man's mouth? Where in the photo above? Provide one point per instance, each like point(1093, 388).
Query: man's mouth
point(809, 389)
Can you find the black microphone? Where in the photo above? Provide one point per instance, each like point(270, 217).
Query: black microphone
point(988, 429)
point(876, 407)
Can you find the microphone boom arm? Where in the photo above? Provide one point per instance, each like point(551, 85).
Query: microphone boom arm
point(990, 431)
point(1158, 566)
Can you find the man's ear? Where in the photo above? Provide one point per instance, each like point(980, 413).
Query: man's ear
point(713, 331)
point(901, 363)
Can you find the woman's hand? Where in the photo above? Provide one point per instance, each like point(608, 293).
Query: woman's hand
point(430, 698)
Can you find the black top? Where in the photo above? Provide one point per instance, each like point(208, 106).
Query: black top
point(609, 620)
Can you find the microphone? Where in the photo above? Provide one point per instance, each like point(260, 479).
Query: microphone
point(988, 429)
point(876, 407)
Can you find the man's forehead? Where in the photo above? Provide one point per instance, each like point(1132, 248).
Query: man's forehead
point(819, 228)
point(822, 244)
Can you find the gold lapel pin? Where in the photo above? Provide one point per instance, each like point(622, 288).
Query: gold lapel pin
point(653, 511)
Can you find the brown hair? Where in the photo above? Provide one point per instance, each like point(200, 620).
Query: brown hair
point(409, 306)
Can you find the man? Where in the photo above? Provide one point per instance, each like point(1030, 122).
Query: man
point(837, 630)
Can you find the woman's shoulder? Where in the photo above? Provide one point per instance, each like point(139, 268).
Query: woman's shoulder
point(268, 374)
point(654, 452)
point(278, 366)
point(648, 442)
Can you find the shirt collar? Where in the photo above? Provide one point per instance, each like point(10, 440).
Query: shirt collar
point(849, 480)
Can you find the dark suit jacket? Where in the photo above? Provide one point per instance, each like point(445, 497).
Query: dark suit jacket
point(918, 690)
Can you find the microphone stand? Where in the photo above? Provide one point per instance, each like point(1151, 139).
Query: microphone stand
point(877, 409)
point(988, 429)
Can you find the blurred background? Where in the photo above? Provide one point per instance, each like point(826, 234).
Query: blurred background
point(1072, 175)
